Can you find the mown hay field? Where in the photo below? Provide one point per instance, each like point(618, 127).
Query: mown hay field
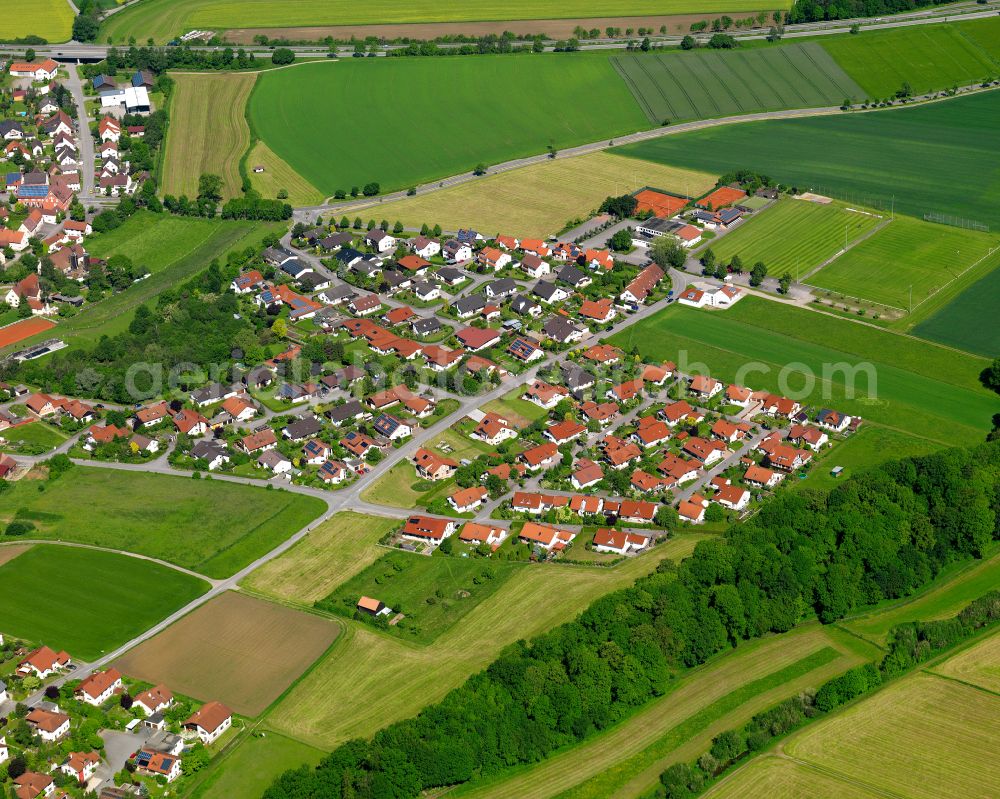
point(208, 131)
point(95, 600)
point(164, 19)
point(898, 381)
point(278, 176)
point(795, 235)
point(401, 122)
point(929, 159)
point(218, 528)
point(242, 651)
point(334, 552)
point(538, 200)
point(627, 759)
point(770, 777)
point(702, 84)
point(50, 19)
point(924, 737)
point(370, 680)
point(906, 254)
point(928, 57)
point(978, 665)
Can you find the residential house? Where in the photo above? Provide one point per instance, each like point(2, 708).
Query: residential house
point(545, 395)
point(153, 700)
point(525, 350)
point(431, 466)
point(424, 247)
point(619, 542)
point(535, 267)
point(99, 687)
point(81, 765)
point(212, 451)
point(275, 462)
point(732, 497)
point(390, 427)
point(542, 456)
point(48, 725)
point(586, 474)
point(455, 251)
point(428, 528)
point(476, 533)
point(546, 536)
point(210, 721)
point(466, 500)
point(43, 662)
point(642, 285)
point(562, 330)
point(564, 431)
point(493, 429)
point(158, 764)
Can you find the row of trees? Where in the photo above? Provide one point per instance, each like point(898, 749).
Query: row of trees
point(880, 535)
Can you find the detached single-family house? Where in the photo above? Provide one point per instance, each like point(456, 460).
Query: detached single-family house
point(210, 722)
point(99, 687)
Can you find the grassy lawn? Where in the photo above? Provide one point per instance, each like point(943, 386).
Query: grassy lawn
point(969, 320)
point(455, 443)
point(50, 19)
point(37, 437)
point(434, 593)
point(929, 57)
point(627, 759)
point(515, 409)
point(278, 175)
point(701, 84)
point(217, 529)
point(926, 157)
point(794, 235)
point(253, 764)
point(370, 679)
point(203, 140)
point(538, 200)
point(371, 144)
point(955, 588)
point(96, 600)
point(902, 383)
point(907, 253)
point(337, 549)
point(396, 488)
point(164, 19)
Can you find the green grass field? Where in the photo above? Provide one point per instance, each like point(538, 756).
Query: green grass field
point(202, 140)
point(50, 19)
point(433, 593)
point(35, 437)
point(969, 320)
point(794, 235)
point(278, 176)
point(85, 601)
point(933, 158)
point(369, 143)
point(920, 389)
point(217, 529)
point(248, 768)
point(955, 588)
point(396, 488)
point(928, 57)
point(713, 83)
point(163, 19)
point(906, 254)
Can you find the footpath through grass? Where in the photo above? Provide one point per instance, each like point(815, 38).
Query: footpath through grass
point(85, 601)
point(898, 381)
point(209, 526)
point(412, 122)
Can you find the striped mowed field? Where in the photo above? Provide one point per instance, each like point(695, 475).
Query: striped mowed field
point(208, 131)
point(701, 84)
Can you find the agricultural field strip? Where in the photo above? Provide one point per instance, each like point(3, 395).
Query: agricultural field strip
point(370, 679)
point(979, 665)
point(770, 776)
point(49, 19)
point(966, 322)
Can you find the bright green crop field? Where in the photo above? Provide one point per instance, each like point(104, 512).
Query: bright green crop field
point(907, 253)
point(928, 57)
point(217, 529)
point(794, 235)
point(712, 83)
point(403, 121)
point(50, 19)
point(934, 158)
point(899, 381)
point(163, 19)
point(86, 601)
point(969, 321)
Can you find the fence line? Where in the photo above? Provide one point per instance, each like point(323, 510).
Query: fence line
point(956, 221)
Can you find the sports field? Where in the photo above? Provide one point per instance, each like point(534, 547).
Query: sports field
point(208, 131)
point(242, 651)
point(907, 253)
point(626, 761)
point(26, 328)
point(253, 764)
point(701, 84)
point(943, 598)
point(336, 550)
point(86, 601)
point(919, 388)
point(927, 157)
point(795, 235)
point(928, 57)
point(218, 528)
point(923, 737)
point(969, 320)
point(978, 665)
point(401, 122)
point(50, 19)
point(164, 19)
point(538, 200)
point(370, 679)
point(278, 175)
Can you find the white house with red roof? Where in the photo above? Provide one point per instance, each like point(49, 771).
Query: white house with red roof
point(210, 721)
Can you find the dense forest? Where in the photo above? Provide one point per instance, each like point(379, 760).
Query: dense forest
point(816, 10)
point(880, 535)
